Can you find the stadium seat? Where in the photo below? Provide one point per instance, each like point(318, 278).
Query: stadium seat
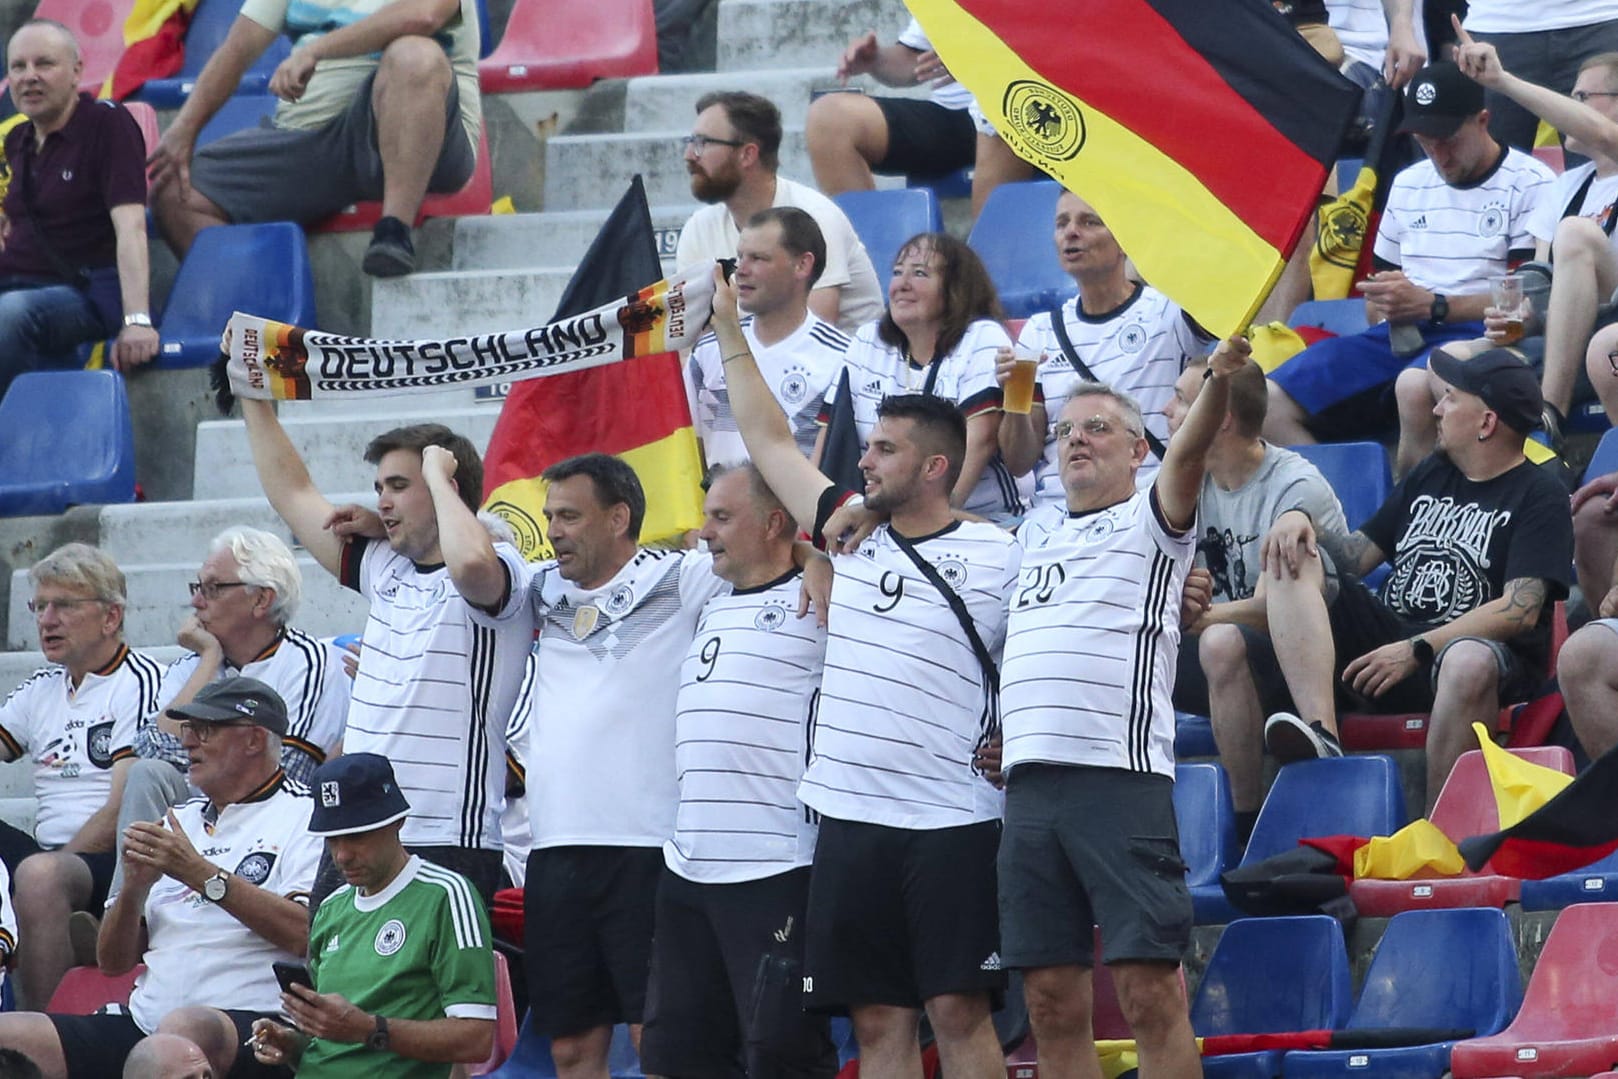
point(1566, 1023)
point(1465, 808)
point(257, 269)
point(549, 46)
point(98, 27)
point(505, 1019)
point(209, 25)
point(470, 201)
point(1605, 458)
point(1013, 238)
point(842, 1036)
point(1270, 976)
point(83, 990)
point(146, 117)
point(886, 219)
point(1595, 883)
point(1193, 736)
point(1357, 471)
point(1207, 826)
point(948, 185)
point(1553, 157)
point(237, 114)
point(1434, 970)
point(68, 441)
point(1341, 317)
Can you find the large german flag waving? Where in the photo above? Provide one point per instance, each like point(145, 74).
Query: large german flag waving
point(1200, 131)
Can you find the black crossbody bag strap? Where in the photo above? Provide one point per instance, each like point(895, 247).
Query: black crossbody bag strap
point(1059, 325)
point(991, 671)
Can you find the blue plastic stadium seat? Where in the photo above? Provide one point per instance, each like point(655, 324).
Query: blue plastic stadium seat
point(1605, 459)
point(65, 439)
point(948, 185)
point(1595, 883)
point(1357, 471)
point(237, 114)
point(1341, 317)
point(1434, 969)
point(1270, 976)
point(886, 219)
point(209, 25)
point(1207, 825)
point(257, 269)
point(1193, 736)
point(1013, 238)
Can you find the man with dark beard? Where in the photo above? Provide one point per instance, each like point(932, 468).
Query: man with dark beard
point(732, 154)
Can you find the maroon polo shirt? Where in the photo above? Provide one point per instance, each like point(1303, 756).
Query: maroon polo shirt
point(97, 161)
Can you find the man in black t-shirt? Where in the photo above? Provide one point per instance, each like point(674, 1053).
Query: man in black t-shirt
point(1481, 544)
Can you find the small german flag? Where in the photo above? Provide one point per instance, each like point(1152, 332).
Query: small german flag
point(1200, 132)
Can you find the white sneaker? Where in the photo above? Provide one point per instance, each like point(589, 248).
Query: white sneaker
point(1289, 738)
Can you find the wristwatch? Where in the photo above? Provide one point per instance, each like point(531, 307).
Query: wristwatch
point(213, 889)
point(378, 1038)
point(1440, 308)
point(1422, 650)
point(139, 318)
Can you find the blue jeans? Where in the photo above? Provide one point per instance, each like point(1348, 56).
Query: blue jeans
point(42, 323)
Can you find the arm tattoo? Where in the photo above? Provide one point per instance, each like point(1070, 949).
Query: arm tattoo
point(1355, 547)
point(1525, 598)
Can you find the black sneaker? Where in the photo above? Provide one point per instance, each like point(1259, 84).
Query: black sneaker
point(391, 253)
point(1552, 420)
point(1289, 739)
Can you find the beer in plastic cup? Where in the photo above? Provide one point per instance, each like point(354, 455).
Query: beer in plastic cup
point(1018, 392)
point(1506, 292)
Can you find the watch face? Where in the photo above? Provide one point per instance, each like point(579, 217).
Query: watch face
point(214, 888)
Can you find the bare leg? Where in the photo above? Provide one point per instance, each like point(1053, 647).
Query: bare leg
point(181, 215)
point(1237, 716)
point(1602, 366)
point(408, 101)
point(582, 1056)
point(1588, 671)
point(847, 136)
point(1468, 692)
point(34, 1035)
point(1595, 548)
point(1416, 395)
point(1154, 1005)
point(967, 1042)
point(1284, 423)
point(1586, 274)
point(1060, 1002)
point(887, 1037)
point(995, 165)
point(50, 886)
point(1299, 625)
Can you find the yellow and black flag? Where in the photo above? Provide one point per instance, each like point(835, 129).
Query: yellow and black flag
point(1201, 132)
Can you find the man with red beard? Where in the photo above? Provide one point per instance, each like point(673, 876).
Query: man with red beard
point(732, 154)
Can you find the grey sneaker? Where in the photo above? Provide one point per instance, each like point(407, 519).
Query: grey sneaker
point(1289, 739)
point(391, 253)
point(82, 930)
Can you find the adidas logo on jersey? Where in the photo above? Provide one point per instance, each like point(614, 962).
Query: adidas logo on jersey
point(991, 963)
point(874, 386)
point(331, 945)
point(1420, 222)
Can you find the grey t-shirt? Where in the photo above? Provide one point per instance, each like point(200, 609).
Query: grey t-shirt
point(1232, 525)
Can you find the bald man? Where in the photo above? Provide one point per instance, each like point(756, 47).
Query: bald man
point(167, 1056)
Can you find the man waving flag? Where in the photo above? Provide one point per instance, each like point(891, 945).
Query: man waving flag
point(1200, 132)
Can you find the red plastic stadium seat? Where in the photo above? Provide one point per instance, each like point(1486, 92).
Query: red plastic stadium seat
point(146, 117)
point(470, 201)
point(82, 990)
point(505, 1019)
point(1566, 1023)
point(551, 46)
point(1465, 808)
point(98, 26)
point(1552, 156)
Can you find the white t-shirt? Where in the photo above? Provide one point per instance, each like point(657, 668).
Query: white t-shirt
point(1598, 202)
point(1516, 17)
point(1362, 29)
point(74, 736)
point(516, 831)
point(799, 368)
point(1139, 347)
point(601, 714)
point(748, 689)
point(307, 673)
point(8, 922)
point(965, 376)
point(1451, 240)
point(951, 95)
point(903, 702)
point(1093, 637)
point(197, 952)
point(711, 233)
point(433, 693)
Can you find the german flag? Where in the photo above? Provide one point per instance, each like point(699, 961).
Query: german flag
point(1201, 132)
point(635, 410)
point(154, 45)
point(1576, 826)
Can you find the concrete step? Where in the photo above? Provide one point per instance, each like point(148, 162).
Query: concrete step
point(179, 530)
point(159, 602)
point(331, 444)
point(585, 172)
point(523, 241)
point(653, 103)
point(468, 301)
point(758, 35)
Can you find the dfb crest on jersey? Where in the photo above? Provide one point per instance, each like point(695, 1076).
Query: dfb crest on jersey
point(98, 744)
point(255, 868)
point(622, 598)
point(794, 387)
point(953, 572)
point(391, 937)
point(771, 618)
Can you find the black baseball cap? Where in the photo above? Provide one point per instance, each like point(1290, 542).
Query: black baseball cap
point(231, 700)
point(355, 793)
point(1439, 99)
point(1507, 385)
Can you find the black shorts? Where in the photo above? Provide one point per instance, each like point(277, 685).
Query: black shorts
point(899, 916)
point(925, 138)
point(587, 930)
point(1091, 847)
point(17, 845)
point(727, 952)
point(95, 1046)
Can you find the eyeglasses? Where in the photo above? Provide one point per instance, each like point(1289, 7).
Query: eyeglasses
point(1612, 361)
point(1582, 96)
point(210, 591)
point(1095, 427)
point(62, 606)
point(202, 729)
point(699, 143)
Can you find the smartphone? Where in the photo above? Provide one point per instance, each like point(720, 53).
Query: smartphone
point(290, 974)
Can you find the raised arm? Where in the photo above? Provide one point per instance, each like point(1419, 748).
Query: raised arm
point(1179, 481)
point(768, 437)
point(287, 485)
point(468, 553)
point(1481, 62)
